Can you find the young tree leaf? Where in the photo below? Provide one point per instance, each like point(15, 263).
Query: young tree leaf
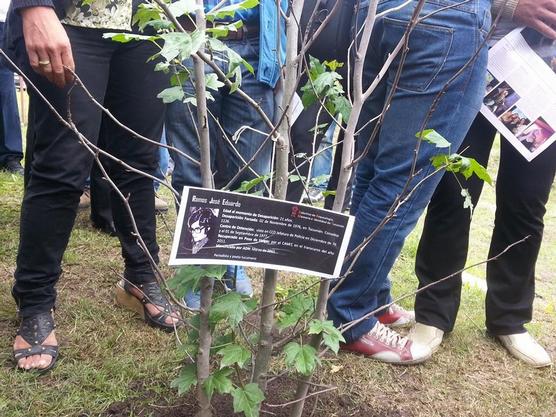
point(171, 94)
point(187, 278)
point(229, 11)
point(302, 357)
point(248, 399)
point(128, 37)
point(233, 354)
point(212, 82)
point(294, 310)
point(181, 7)
point(434, 138)
point(230, 307)
point(331, 335)
point(186, 379)
point(219, 382)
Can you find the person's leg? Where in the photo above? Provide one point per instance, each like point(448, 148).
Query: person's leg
point(236, 114)
point(443, 47)
point(181, 133)
point(522, 190)
point(101, 205)
point(60, 165)
point(11, 151)
point(444, 242)
point(140, 110)
point(302, 138)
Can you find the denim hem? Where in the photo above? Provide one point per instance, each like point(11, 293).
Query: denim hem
point(358, 331)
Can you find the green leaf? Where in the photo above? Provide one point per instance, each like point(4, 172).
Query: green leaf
point(233, 354)
point(162, 66)
point(321, 179)
point(247, 186)
point(223, 30)
point(186, 379)
point(440, 161)
point(302, 357)
point(295, 178)
point(331, 335)
point(230, 307)
point(171, 94)
point(479, 170)
point(212, 82)
point(179, 78)
point(230, 11)
point(182, 7)
point(434, 138)
point(128, 37)
point(219, 382)
point(146, 13)
point(179, 45)
point(329, 192)
point(333, 65)
point(248, 399)
point(188, 277)
point(294, 310)
point(342, 107)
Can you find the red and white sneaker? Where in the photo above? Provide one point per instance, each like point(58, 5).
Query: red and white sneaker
point(385, 345)
point(397, 316)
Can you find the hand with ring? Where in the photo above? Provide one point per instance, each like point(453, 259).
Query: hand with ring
point(47, 44)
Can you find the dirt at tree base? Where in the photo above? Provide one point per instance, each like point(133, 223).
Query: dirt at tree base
point(330, 404)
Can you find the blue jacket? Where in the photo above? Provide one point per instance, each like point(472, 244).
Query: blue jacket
point(268, 71)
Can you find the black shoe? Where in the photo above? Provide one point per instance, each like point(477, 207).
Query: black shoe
point(13, 166)
point(107, 228)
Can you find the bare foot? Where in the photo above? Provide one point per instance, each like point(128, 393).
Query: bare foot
point(35, 361)
point(172, 318)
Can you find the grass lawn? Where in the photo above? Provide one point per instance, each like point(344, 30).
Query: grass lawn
point(111, 362)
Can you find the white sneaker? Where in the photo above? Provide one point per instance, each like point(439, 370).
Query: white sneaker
point(524, 347)
point(429, 336)
point(385, 345)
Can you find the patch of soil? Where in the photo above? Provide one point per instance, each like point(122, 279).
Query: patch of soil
point(330, 404)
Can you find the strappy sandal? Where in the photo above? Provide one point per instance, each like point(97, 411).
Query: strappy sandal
point(34, 330)
point(151, 295)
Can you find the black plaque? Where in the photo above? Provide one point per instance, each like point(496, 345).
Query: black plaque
point(218, 227)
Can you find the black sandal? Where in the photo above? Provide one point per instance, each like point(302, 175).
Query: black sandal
point(34, 330)
point(151, 295)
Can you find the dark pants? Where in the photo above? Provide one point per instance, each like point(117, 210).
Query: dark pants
point(116, 75)
point(10, 128)
point(522, 190)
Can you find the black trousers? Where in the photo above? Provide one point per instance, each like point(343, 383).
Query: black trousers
point(116, 75)
point(522, 191)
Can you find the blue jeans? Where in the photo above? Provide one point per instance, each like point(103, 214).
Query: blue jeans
point(322, 165)
point(232, 113)
point(163, 161)
point(438, 48)
point(10, 126)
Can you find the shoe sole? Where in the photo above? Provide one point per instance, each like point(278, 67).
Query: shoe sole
point(514, 353)
point(412, 362)
point(125, 299)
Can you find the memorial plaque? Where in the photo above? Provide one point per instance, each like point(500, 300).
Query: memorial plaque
point(219, 227)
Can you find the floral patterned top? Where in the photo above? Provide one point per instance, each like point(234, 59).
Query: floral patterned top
point(100, 14)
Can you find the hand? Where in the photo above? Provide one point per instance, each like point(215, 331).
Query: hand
point(537, 14)
point(47, 44)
